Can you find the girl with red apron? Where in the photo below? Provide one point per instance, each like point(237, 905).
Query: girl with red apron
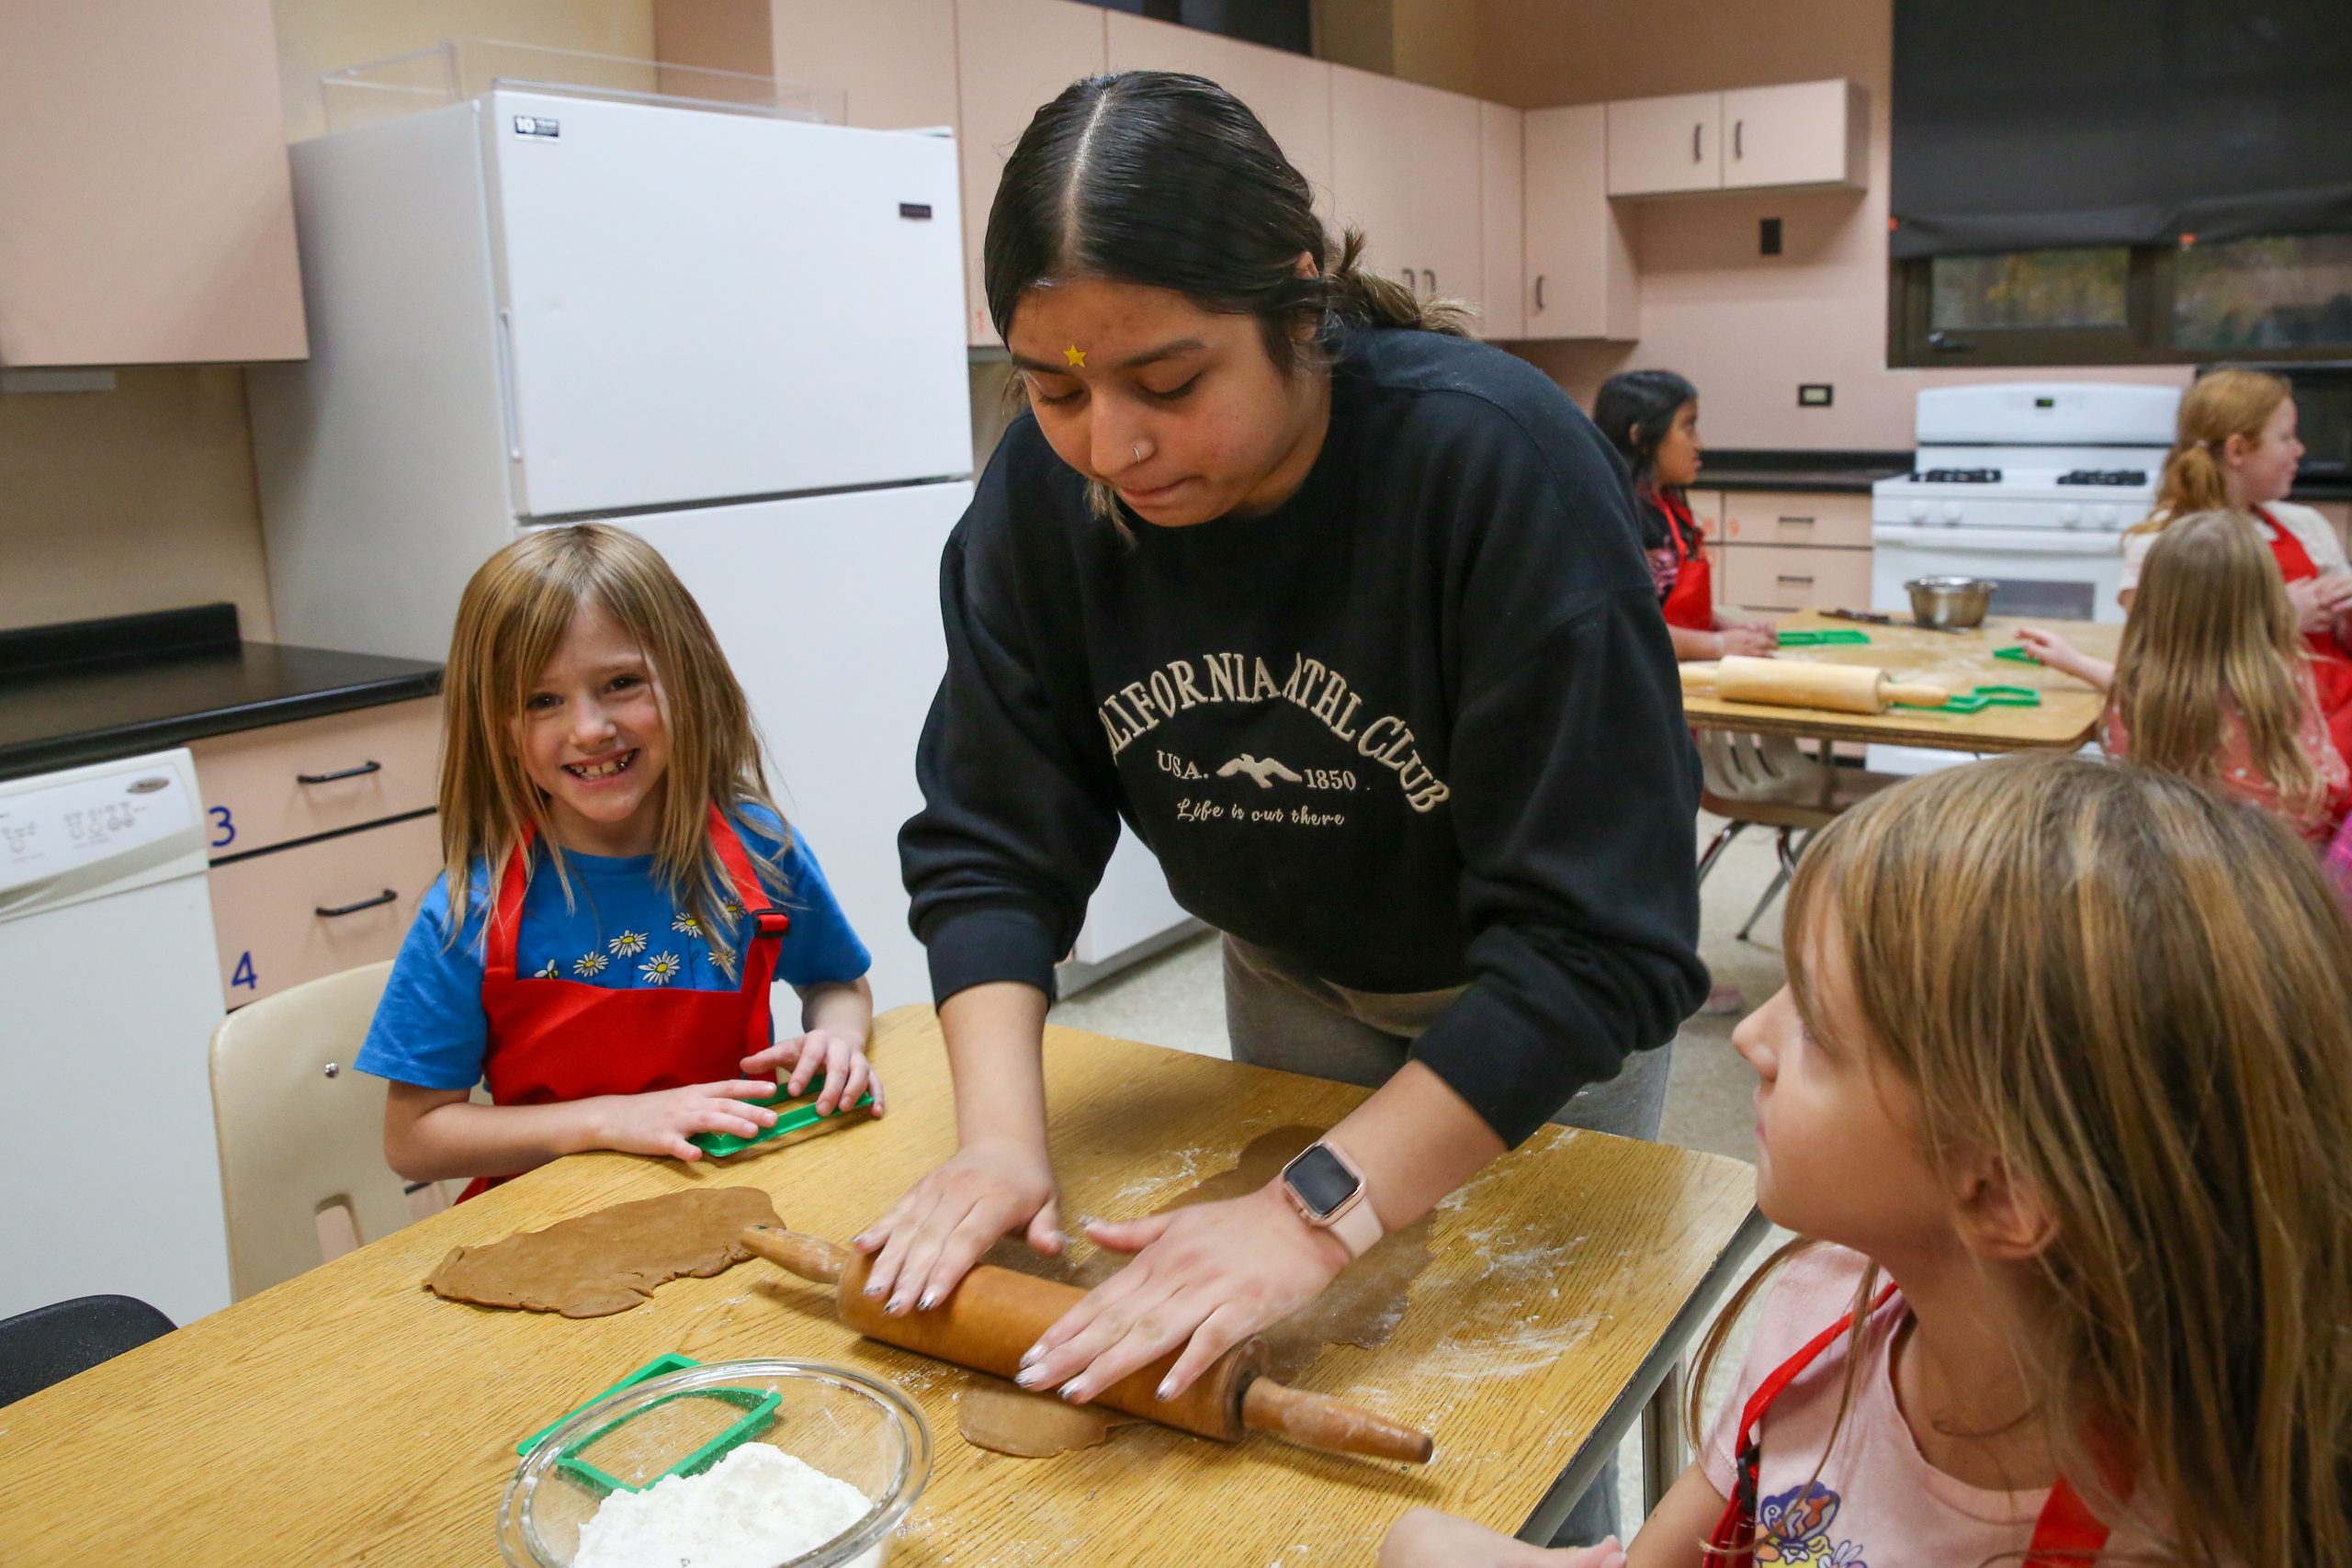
point(2067, 1535)
point(561, 1040)
point(1691, 602)
point(2331, 667)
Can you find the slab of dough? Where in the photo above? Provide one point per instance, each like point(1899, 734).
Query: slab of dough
point(1361, 1307)
point(1007, 1420)
point(608, 1261)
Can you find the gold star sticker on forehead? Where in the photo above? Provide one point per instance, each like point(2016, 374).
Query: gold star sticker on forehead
point(1075, 354)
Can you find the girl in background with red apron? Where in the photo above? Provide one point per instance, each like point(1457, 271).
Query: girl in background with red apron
point(628, 892)
point(1652, 418)
point(2073, 1228)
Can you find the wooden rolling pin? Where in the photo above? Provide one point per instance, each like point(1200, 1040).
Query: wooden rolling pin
point(995, 1313)
point(1803, 683)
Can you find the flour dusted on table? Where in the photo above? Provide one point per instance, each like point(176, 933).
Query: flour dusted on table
point(756, 1508)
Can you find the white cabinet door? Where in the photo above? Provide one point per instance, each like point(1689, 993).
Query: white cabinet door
point(1502, 222)
point(1580, 276)
point(1805, 133)
point(1012, 57)
point(1401, 154)
point(657, 269)
point(828, 610)
point(1290, 94)
point(1657, 146)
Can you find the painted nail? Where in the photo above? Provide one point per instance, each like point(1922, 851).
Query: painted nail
point(898, 1307)
point(1074, 1391)
point(930, 1300)
point(1033, 1355)
point(1166, 1389)
point(1025, 1376)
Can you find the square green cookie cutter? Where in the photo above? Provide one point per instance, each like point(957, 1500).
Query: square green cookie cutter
point(1827, 637)
point(1980, 699)
point(2017, 655)
point(759, 1413)
point(785, 1122)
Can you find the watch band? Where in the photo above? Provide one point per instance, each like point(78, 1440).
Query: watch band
point(1358, 1225)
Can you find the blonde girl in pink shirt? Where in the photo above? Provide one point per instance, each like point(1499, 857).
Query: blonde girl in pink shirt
point(2057, 1099)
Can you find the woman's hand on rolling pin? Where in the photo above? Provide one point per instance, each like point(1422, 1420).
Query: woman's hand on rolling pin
point(1217, 1272)
point(923, 1247)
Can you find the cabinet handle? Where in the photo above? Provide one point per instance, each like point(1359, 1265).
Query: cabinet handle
point(1431, 275)
point(1695, 128)
point(386, 896)
point(360, 772)
point(1539, 290)
point(1737, 127)
point(1796, 522)
point(1784, 577)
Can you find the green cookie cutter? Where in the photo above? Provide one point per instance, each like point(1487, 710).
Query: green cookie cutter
point(785, 1122)
point(1980, 699)
point(759, 1415)
point(2017, 654)
point(1827, 638)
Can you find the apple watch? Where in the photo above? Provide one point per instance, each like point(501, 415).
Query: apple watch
point(1329, 1193)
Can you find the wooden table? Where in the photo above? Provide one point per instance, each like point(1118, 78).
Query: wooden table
point(351, 1416)
point(2067, 717)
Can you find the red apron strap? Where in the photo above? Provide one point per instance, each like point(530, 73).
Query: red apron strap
point(769, 924)
point(2068, 1535)
point(506, 910)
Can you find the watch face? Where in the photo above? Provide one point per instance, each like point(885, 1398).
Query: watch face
point(1320, 1180)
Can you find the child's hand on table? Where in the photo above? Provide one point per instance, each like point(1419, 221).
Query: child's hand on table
point(842, 1061)
point(2063, 657)
point(660, 1123)
point(1754, 639)
point(1427, 1539)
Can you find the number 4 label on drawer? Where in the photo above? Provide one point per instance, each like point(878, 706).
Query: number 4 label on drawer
point(244, 973)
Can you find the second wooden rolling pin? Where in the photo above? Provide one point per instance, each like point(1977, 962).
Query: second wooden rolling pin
point(1803, 683)
point(995, 1313)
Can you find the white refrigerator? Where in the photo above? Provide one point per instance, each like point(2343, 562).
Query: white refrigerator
point(738, 334)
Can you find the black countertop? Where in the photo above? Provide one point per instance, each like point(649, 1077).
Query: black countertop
point(1800, 469)
point(93, 691)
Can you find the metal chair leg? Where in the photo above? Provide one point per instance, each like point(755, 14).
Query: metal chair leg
point(1715, 847)
point(1790, 847)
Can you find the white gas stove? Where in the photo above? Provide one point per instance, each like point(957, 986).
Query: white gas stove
point(2029, 485)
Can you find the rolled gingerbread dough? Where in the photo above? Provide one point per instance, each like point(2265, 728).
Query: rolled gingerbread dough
point(1361, 1307)
point(611, 1261)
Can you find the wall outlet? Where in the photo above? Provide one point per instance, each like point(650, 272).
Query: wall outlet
point(1768, 237)
point(1815, 394)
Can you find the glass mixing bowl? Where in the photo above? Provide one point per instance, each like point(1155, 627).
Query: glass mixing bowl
point(854, 1427)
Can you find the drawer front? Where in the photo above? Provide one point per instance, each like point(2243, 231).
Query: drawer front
point(319, 775)
point(1707, 510)
point(1798, 517)
point(271, 912)
point(1770, 577)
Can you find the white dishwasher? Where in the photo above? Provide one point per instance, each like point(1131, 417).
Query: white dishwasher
point(112, 987)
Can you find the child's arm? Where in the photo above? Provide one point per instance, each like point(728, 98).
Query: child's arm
point(1675, 1535)
point(433, 1134)
point(2060, 655)
point(1427, 1539)
point(835, 1017)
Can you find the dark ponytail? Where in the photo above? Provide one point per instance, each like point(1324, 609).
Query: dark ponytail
point(1635, 409)
point(1168, 180)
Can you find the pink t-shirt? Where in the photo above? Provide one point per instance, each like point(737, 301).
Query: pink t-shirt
point(1876, 1503)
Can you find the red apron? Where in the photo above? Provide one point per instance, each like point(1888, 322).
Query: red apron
point(2066, 1535)
point(559, 1040)
point(1690, 603)
point(2331, 670)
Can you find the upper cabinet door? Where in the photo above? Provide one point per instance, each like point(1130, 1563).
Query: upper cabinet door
point(1290, 94)
point(1806, 133)
point(833, 43)
point(1579, 259)
point(1661, 145)
point(1399, 154)
point(1011, 58)
point(1503, 203)
point(143, 190)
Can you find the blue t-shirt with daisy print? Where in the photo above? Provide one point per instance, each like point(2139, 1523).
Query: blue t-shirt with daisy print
point(623, 930)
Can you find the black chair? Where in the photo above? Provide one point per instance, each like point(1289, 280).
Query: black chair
point(50, 1344)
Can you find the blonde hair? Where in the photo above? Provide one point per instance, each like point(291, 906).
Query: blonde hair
point(2211, 640)
point(2223, 403)
point(2138, 996)
point(514, 612)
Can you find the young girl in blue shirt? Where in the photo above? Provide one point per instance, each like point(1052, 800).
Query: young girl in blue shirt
point(628, 890)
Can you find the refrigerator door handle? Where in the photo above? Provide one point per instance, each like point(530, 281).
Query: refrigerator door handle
point(506, 385)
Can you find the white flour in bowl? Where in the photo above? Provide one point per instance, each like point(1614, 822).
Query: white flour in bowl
point(757, 1507)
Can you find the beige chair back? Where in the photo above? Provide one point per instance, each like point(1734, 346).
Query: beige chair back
point(300, 1132)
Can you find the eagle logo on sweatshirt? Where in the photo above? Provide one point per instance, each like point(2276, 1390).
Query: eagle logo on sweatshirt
point(1263, 774)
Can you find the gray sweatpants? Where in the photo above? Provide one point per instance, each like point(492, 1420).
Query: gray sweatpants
point(1279, 1016)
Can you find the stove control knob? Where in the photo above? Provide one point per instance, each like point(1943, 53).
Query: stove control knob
point(2070, 515)
point(1918, 512)
point(1952, 512)
point(2104, 517)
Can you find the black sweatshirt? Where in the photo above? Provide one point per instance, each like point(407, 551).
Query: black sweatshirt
point(1416, 728)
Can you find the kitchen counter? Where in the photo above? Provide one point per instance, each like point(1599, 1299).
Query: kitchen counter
point(1757, 469)
point(89, 691)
